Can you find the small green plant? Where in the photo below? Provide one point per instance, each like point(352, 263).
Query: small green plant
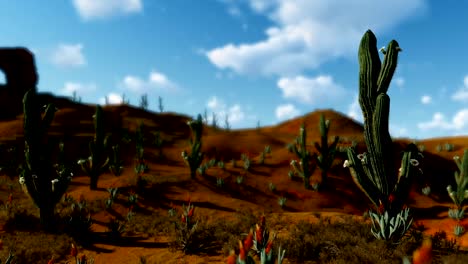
point(299, 148)
point(449, 147)
point(247, 162)
point(113, 192)
point(97, 162)
point(426, 190)
point(459, 195)
point(116, 164)
point(458, 230)
point(220, 182)
point(234, 163)
point(282, 201)
point(202, 169)
point(195, 158)
point(221, 165)
point(240, 179)
point(115, 228)
point(271, 186)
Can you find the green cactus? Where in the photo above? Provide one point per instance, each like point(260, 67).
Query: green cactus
point(327, 152)
point(374, 172)
point(461, 178)
point(37, 175)
point(97, 162)
point(116, 164)
point(195, 158)
point(299, 148)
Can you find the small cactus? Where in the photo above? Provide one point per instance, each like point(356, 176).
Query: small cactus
point(195, 158)
point(97, 162)
point(299, 148)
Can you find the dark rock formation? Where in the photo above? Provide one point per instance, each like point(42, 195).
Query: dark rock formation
point(20, 73)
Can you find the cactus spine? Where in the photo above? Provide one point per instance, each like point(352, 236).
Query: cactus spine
point(96, 163)
point(38, 173)
point(373, 172)
point(195, 158)
point(326, 152)
point(299, 148)
point(461, 178)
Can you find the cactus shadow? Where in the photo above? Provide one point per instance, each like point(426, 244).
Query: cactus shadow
point(429, 213)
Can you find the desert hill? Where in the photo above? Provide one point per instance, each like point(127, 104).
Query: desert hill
point(169, 180)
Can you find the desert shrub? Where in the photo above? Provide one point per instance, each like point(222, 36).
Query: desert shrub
point(37, 247)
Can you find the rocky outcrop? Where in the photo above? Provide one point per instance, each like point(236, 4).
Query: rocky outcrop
point(18, 66)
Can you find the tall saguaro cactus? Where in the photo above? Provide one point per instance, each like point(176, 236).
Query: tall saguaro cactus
point(326, 152)
point(97, 162)
point(374, 172)
point(44, 188)
point(299, 148)
point(195, 158)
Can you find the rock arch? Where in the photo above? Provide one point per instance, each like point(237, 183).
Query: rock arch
point(19, 68)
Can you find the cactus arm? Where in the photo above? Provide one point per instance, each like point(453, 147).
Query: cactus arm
point(389, 66)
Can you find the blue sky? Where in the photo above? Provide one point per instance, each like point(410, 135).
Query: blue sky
point(252, 60)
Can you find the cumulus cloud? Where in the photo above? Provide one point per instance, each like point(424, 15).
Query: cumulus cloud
point(112, 98)
point(81, 89)
point(458, 123)
point(307, 33)
point(400, 82)
point(69, 55)
point(354, 110)
point(93, 9)
point(155, 80)
point(286, 111)
point(310, 90)
point(235, 113)
point(426, 99)
point(462, 93)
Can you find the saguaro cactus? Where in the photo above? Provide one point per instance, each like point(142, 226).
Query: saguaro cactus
point(374, 172)
point(97, 162)
point(461, 193)
point(326, 152)
point(37, 175)
point(299, 148)
point(195, 158)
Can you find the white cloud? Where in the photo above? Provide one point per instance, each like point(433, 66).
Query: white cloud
point(235, 113)
point(156, 80)
point(307, 33)
point(459, 122)
point(354, 110)
point(69, 55)
point(462, 93)
point(113, 98)
point(426, 99)
point(400, 82)
point(95, 9)
point(286, 111)
point(311, 90)
point(80, 88)
point(398, 131)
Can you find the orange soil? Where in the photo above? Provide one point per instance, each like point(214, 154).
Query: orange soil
point(74, 123)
